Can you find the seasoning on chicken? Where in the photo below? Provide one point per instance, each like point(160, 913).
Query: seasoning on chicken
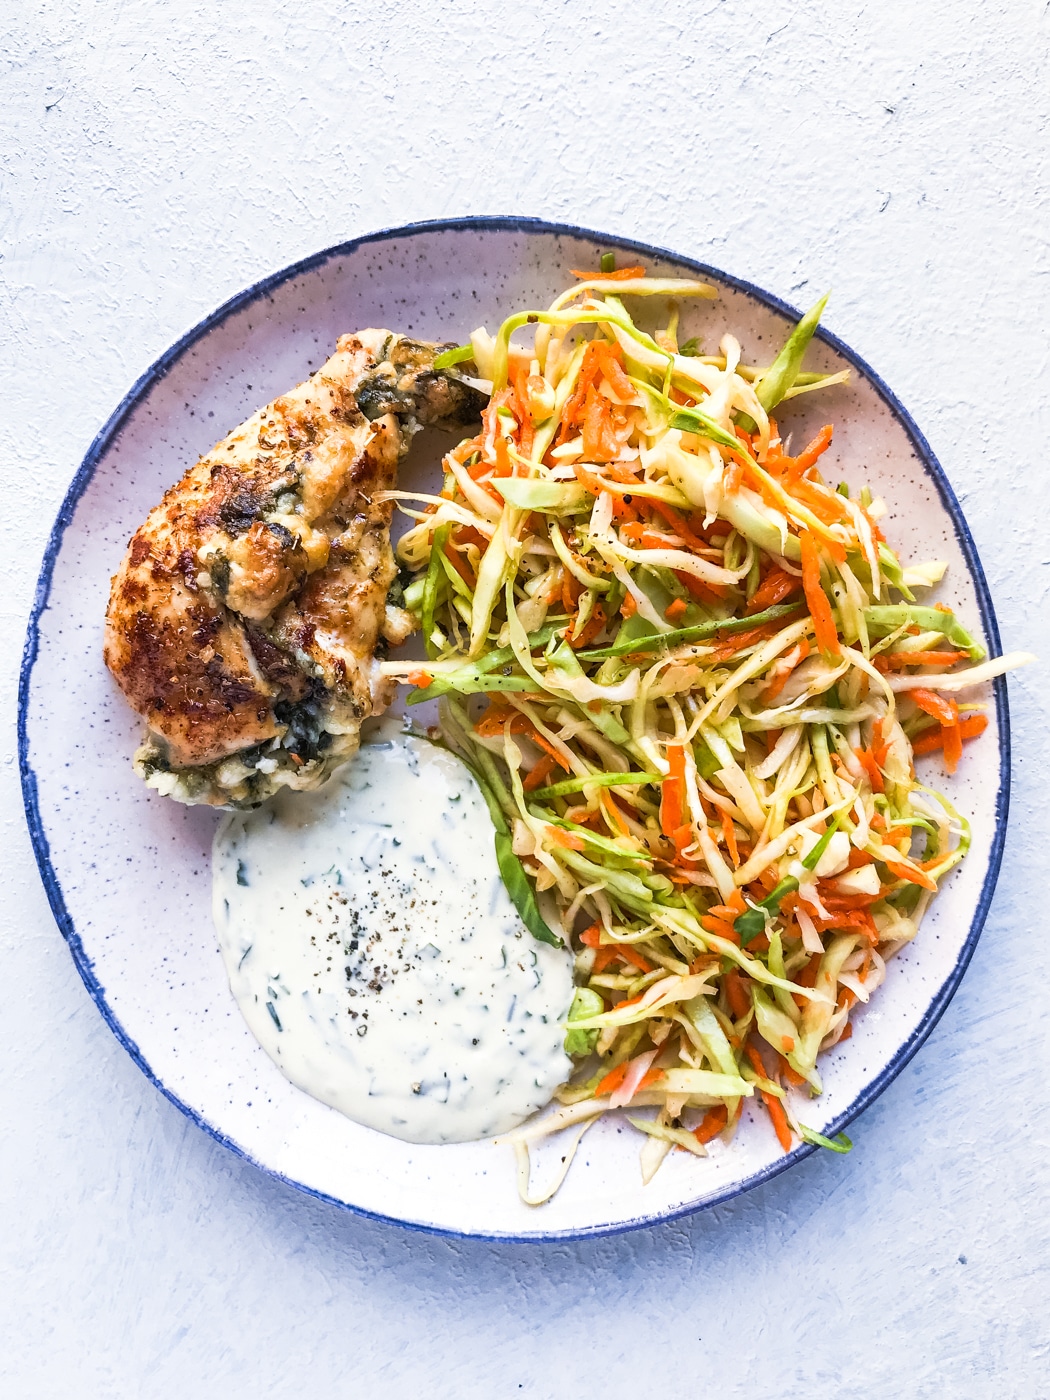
point(244, 620)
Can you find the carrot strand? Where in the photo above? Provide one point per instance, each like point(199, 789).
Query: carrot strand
point(672, 792)
point(968, 728)
point(816, 598)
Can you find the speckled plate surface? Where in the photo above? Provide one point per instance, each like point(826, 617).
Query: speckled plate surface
point(127, 872)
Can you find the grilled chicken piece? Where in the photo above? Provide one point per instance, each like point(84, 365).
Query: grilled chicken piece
point(244, 619)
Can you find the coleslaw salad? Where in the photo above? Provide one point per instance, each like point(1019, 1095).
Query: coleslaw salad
point(691, 678)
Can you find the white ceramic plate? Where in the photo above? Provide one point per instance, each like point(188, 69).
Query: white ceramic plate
point(127, 872)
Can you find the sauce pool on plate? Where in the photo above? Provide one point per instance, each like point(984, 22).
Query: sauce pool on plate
point(375, 953)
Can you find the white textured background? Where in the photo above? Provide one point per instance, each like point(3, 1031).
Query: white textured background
point(154, 160)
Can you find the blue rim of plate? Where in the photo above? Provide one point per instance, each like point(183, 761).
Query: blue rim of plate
point(511, 224)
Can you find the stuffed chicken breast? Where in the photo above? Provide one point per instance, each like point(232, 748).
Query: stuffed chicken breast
point(244, 619)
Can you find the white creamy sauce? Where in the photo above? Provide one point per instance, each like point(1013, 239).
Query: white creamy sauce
point(376, 955)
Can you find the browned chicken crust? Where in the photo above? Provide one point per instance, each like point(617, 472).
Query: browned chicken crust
point(244, 619)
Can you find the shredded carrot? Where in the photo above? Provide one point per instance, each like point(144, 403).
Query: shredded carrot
point(858, 858)
point(466, 534)
point(494, 719)
point(548, 748)
point(568, 840)
point(707, 593)
point(738, 641)
point(526, 431)
point(911, 873)
point(712, 1123)
point(867, 762)
point(629, 606)
point(596, 482)
point(895, 835)
point(676, 609)
point(631, 1001)
point(736, 904)
point(590, 368)
point(838, 910)
point(420, 679)
point(461, 566)
point(608, 805)
point(816, 598)
point(792, 1076)
point(721, 928)
point(590, 630)
point(945, 711)
point(772, 1103)
point(610, 952)
point(467, 448)
point(743, 438)
point(612, 1080)
point(952, 746)
point(807, 978)
point(779, 1117)
point(570, 591)
point(672, 791)
point(503, 465)
point(591, 409)
point(684, 836)
point(632, 955)
point(591, 937)
point(898, 660)
point(678, 524)
point(729, 832)
point(880, 745)
point(719, 918)
point(622, 472)
point(774, 588)
point(596, 485)
point(610, 356)
point(808, 456)
point(826, 505)
point(622, 274)
point(736, 994)
point(604, 957)
point(597, 417)
point(833, 898)
point(538, 773)
point(637, 533)
point(765, 882)
point(969, 727)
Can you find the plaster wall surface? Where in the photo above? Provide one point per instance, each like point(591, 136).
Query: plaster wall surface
point(156, 159)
